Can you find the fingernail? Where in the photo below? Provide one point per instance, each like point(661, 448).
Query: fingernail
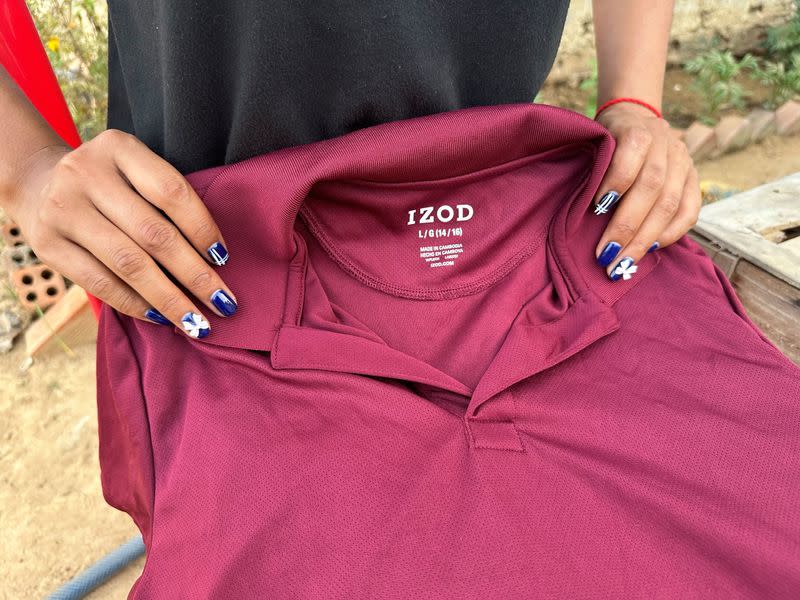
point(608, 254)
point(157, 317)
point(218, 253)
point(624, 269)
point(195, 325)
point(223, 302)
point(653, 248)
point(606, 201)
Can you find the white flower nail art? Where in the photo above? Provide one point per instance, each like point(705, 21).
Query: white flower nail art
point(195, 325)
point(624, 269)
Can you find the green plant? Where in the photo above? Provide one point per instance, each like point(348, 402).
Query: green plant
point(716, 73)
point(781, 72)
point(589, 84)
point(783, 79)
point(75, 35)
point(783, 42)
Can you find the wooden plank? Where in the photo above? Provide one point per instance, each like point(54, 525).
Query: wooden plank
point(794, 243)
point(724, 259)
point(772, 304)
point(70, 321)
point(754, 224)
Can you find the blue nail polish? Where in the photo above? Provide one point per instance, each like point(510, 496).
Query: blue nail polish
point(608, 254)
point(606, 201)
point(623, 269)
point(157, 317)
point(223, 302)
point(218, 253)
point(195, 325)
point(653, 248)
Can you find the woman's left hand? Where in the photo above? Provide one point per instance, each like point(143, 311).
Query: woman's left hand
point(656, 185)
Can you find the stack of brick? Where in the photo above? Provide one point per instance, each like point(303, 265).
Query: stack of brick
point(29, 282)
point(34, 283)
point(734, 132)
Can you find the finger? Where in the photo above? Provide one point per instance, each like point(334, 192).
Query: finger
point(80, 266)
point(162, 240)
point(629, 155)
point(639, 200)
point(661, 214)
point(111, 246)
point(163, 186)
point(689, 210)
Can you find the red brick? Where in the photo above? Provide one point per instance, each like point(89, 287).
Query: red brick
point(733, 132)
point(787, 118)
point(12, 234)
point(763, 124)
point(700, 140)
point(38, 284)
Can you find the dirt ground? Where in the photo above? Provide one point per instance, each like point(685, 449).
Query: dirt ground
point(768, 160)
point(54, 519)
point(52, 514)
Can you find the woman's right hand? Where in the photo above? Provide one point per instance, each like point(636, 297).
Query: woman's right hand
point(92, 214)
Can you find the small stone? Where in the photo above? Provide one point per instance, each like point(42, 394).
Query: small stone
point(733, 132)
point(787, 118)
point(16, 257)
point(700, 141)
point(13, 320)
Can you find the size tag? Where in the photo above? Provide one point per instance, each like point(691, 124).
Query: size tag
point(450, 239)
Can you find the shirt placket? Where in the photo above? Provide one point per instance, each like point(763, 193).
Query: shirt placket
point(489, 419)
point(528, 350)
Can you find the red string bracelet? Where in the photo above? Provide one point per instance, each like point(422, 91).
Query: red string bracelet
point(613, 101)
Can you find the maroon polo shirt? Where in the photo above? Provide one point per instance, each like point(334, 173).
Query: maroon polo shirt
point(431, 390)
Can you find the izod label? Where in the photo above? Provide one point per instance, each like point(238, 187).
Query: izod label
point(440, 230)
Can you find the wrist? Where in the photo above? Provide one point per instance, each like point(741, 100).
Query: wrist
point(22, 176)
point(628, 104)
point(649, 90)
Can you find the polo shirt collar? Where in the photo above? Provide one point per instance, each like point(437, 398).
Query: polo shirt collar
point(256, 203)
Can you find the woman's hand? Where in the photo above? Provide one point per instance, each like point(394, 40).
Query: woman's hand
point(651, 188)
point(93, 215)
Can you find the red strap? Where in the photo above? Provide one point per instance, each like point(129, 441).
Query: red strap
point(613, 101)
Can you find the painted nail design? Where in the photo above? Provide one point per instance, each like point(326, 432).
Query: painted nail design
point(157, 317)
point(624, 269)
point(218, 253)
point(608, 254)
point(653, 248)
point(195, 325)
point(223, 302)
point(607, 200)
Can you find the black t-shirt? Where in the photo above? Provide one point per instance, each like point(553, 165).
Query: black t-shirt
point(210, 82)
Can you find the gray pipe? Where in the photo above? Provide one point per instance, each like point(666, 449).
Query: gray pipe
point(100, 572)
